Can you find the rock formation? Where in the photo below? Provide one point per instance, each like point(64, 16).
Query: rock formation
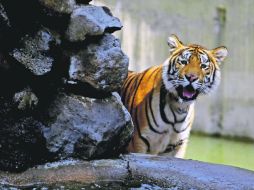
point(60, 68)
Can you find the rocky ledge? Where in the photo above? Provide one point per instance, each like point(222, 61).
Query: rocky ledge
point(135, 171)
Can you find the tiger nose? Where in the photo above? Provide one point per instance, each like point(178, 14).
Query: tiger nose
point(191, 77)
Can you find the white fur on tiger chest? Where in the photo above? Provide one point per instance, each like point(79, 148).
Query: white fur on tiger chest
point(173, 134)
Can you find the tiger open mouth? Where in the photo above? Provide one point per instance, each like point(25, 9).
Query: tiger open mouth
point(187, 93)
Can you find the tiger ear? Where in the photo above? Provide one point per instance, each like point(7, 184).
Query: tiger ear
point(220, 53)
point(174, 42)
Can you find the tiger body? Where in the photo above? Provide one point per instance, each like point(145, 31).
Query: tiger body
point(161, 99)
point(158, 127)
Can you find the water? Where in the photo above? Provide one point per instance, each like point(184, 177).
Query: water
point(221, 151)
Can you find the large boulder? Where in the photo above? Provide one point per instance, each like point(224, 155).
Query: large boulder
point(86, 127)
point(72, 126)
point(91, 21)
point(103, 64)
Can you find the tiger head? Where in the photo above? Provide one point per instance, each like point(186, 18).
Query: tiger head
point(191, 69)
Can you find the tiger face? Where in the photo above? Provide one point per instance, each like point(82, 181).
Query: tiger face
point(191, 69)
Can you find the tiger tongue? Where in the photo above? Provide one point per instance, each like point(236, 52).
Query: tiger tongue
point(188, 93)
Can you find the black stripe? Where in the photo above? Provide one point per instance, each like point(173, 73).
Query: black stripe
point(150, 105)
point(171, 62)
point(169, 66)
point(172, 147)
point(163, 94)
point(177, 131)
point(149, 122)
point(139, 132)
point(132, 89)
point(135, 116)
point(214, 71)
point(136, 89)
point(174, 70)
point(147, 116)
point(175, 118)
point(151, 109)
point(125, 90)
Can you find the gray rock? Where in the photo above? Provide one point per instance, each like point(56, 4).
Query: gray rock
point(34, 54)
point(59, 6)
point(87, 128)
point(133, 171)
point(103, 65)
point(26, 99)
point(91, 20)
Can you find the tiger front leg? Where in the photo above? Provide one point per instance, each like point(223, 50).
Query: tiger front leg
point(180, 151)
point(176, 150)
point(137, 145)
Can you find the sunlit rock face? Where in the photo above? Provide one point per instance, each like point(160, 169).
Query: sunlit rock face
point(102, 64)
point(35, 53)
point(63, 6)
point(91, 20)
point(86, 127)
point(57, 87)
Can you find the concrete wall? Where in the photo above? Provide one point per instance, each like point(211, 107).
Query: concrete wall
point(147, 24)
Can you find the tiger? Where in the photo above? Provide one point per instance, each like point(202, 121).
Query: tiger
point(161, 99)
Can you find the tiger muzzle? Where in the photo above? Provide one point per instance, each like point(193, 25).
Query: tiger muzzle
point(187, 93)
point(191, 77)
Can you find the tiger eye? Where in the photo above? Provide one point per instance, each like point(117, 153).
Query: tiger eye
point(184, 62)
point(203, 66)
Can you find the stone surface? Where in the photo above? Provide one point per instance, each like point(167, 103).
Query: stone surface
point(87, 128)
point(103, 64)
point(91, 20)
point(60, 6)
point(188, 174)
point(26, 99)
point(35, 51)
point(72, 126)
point(21, 142)
point(135, 171)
